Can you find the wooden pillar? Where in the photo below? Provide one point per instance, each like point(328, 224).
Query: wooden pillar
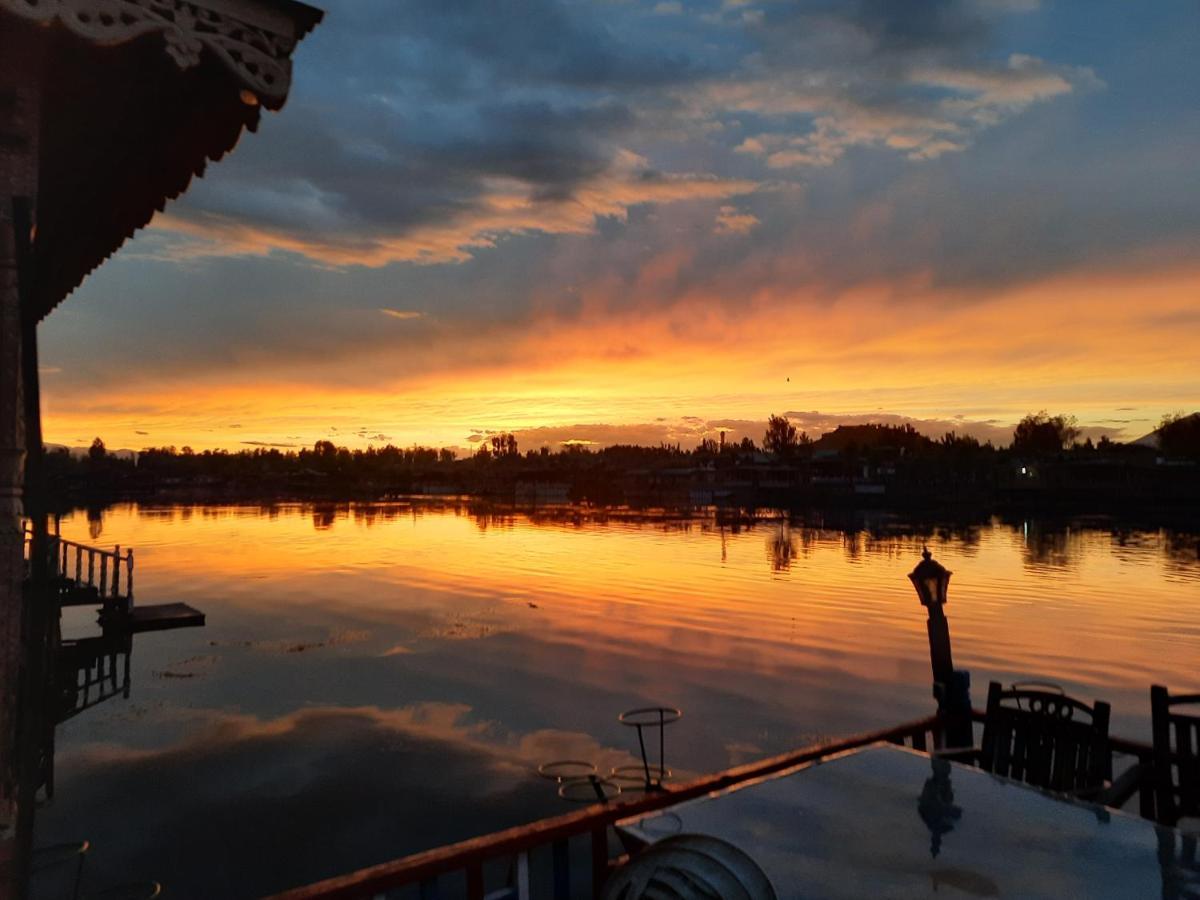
point(20, 61)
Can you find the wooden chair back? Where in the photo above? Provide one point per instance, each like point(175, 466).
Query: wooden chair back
point(1046, 739)
point(1176, 754)
point(1179, 859)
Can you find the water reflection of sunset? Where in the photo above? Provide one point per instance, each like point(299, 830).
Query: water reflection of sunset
point(393, 659)
point(689, 588)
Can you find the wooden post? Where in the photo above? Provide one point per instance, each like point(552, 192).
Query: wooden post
point(129, 576)
point(116, 585)
point(22, 623)
point(22, 56)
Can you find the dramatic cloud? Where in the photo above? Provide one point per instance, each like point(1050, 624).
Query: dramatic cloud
point(476, 122)
point(540, 214)
point(504, 206)
point(915, 80)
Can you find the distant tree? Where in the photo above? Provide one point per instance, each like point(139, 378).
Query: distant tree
point(1040, 433)
point(97, 452)
point(952, 440)
point(781, 437)
point(446, 455)
point(1179, 435)
point(504, 444)
point(484, 453)
point(747, 444)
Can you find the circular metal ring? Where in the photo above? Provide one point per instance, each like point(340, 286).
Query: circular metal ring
point(635, 773)
point(650, 716)
point(589, 790)
point(662, 824)
point(561, 770)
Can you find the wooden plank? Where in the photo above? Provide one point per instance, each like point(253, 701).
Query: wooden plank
point(523, 892)
point(562, 870)
point(163, 617)
point(475, 881)
point(79, 595)
point(599, 859)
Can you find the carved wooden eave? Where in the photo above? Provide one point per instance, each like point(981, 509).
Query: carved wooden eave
point(254, 40)
point(136, 97)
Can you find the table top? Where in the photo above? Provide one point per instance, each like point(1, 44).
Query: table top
point(884, 821)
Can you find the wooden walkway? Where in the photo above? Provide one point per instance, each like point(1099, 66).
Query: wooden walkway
point(164, 616)
point(81, 575)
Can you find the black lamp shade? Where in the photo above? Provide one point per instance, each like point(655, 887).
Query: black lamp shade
point(931, 579)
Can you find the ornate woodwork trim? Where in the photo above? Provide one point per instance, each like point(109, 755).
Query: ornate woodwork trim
point(259, 54)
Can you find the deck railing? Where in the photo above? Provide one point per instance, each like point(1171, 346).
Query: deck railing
point(570, 854)
point(573, 850)
point(87, 568)
point(90, 671)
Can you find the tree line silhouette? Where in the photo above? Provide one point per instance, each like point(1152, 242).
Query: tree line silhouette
point(499, 460)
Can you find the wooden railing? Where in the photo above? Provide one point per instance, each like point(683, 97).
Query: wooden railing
point(90, 671)
point(82, 567)
point(516, 855)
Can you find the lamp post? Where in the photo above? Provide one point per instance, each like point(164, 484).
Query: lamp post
point(951, 687)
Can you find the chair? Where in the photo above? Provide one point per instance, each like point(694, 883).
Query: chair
point(1176, 765)
point(1047, 740)
point(1180, 864)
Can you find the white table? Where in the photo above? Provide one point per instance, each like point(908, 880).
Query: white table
point(885, 821)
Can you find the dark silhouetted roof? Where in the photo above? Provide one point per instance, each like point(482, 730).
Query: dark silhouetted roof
point(124, 130)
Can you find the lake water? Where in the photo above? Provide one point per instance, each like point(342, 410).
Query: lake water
point(378, 679)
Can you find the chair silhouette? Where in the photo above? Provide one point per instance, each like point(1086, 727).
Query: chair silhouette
point(1047, 740)
point(1180, 864)
point(1176, 766)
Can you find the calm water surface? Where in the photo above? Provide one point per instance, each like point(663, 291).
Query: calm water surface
point(378, 679)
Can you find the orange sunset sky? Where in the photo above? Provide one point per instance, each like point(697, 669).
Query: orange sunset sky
point(643, 221)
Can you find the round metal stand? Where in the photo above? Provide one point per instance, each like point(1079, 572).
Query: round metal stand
point(635, 774)
point(651, 717)
point(591, 789)
point(561, 770)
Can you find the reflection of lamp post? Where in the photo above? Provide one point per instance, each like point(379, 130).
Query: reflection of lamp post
point(936, 805)
point(951, 687)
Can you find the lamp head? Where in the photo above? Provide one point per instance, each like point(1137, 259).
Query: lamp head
point(931, 579)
